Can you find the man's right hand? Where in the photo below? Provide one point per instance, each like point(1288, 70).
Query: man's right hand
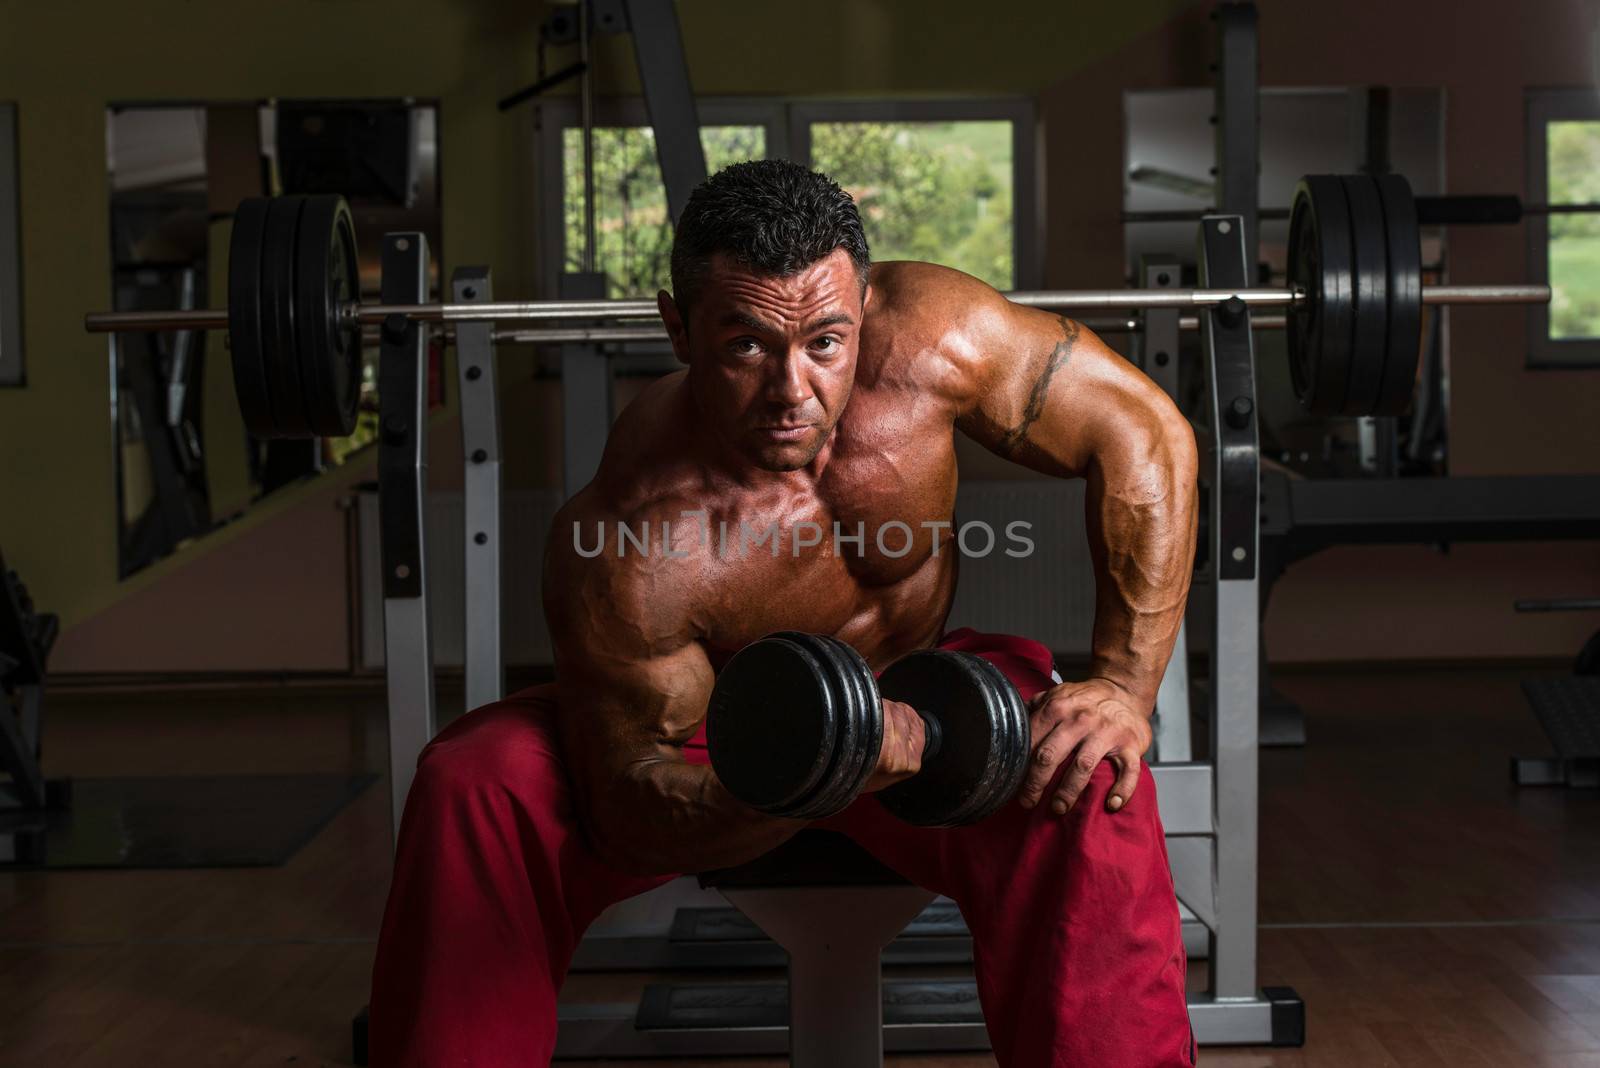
point(901, 755)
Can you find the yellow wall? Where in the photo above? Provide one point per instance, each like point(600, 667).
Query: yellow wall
point(62, 64)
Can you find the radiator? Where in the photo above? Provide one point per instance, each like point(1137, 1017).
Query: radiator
point(1047, 594)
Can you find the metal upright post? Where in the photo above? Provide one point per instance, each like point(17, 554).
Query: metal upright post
point(480, 447)
point(1238, 122)
point(585, 393)
point(402, 488)
point(835, 979)
point(1235, 487)
point(668, 97)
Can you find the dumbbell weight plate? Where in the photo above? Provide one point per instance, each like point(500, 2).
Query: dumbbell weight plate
point(1016, 745)
point(279, 345)
point(1405, 295)
point(1370, 329)
point(244, 316)
point(977, 797)
point(837, 788)
point(974, 745)
point(1320, 264)
point(865, 697)
point(1009, 715)
point(327, 277)
point(772, 725)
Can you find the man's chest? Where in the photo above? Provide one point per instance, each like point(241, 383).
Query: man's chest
point(871, 534)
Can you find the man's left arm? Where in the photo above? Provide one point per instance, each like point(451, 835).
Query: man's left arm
point(1047, 393)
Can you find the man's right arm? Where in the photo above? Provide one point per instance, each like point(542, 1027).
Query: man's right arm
point(633, 685)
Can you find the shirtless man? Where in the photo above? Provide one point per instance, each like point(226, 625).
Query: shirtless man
point(813, 395)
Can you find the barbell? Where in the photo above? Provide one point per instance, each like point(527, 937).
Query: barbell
point(1353, 306)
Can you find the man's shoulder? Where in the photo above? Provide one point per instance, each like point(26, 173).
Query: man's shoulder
point(619, 564)
point(917, 288)
point(929, 309)
point(926, 323)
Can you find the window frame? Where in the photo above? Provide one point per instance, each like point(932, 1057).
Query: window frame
point(13, 368)
point(788, 136)
point(1545, 106)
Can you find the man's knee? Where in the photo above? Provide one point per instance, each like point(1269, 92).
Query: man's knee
point(507, 750)
point(1089, 835)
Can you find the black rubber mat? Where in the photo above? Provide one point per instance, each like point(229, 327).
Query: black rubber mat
point(940, 919)
point(198, 821)
point(1569, 709)
point(905, 1001)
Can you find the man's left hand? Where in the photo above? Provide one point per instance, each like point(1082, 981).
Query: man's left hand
point(1086, 722)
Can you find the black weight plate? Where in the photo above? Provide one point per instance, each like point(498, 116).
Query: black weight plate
point(1405, 295)
point(982, 801)
point(278, 342)
point(865, 687)
point(1320, 263)
point(244, 316)
point(327, 277)
point(1014, 741)
point(771, 724)
point(833, 793)
point(1370, 335)
point(949, 688)
point(988, 694)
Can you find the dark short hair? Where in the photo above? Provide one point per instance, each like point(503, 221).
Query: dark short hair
point(770, 215)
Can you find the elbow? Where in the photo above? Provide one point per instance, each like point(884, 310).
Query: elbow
point(1177, 434)
point(617, 847)
point(619, 838)
point(1172, 441)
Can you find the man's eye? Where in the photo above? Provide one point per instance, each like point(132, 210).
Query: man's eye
point(746, 346)
point(826, 345)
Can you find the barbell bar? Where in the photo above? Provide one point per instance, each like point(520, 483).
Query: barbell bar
point(1469, 209)
point(611, 334)
point(539, 310)
point(1352, 306)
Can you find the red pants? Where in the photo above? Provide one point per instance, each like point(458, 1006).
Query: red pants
point(1076, 939)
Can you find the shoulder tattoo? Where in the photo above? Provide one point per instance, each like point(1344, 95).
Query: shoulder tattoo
point(1012, 440)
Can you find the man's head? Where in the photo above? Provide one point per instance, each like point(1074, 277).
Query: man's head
point(769, 278)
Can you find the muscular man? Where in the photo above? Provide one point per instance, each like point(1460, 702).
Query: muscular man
point(815, 402)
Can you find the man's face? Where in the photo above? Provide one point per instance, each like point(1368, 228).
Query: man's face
point(772, 359)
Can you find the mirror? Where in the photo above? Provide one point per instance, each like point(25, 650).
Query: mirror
point(184, 464)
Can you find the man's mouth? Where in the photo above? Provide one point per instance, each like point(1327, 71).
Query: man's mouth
point(785, 431)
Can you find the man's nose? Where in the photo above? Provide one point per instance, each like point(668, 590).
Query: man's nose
point(786, 380)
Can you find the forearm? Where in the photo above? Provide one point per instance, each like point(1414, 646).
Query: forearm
point(1141, 519)
point(665, 816)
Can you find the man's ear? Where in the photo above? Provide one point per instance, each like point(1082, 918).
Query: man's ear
point(866, 297)
point(676, 331)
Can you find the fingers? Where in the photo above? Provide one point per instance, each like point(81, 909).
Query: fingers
point(1128, 766)
point(1087, 758)
point(1056, 745)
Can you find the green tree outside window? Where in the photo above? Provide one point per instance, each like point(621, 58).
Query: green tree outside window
point(1574, 178)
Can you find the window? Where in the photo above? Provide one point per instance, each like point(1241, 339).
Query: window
point(951, 182)
point(1572, 176)
point(1564, 245)
point(633, 237)
point(936, 191)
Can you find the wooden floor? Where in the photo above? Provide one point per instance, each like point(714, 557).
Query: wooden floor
point(1428, 912)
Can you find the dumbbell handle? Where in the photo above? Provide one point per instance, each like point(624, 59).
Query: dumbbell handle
point(932, 735)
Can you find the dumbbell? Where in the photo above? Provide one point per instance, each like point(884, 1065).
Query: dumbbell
point(795, 728)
